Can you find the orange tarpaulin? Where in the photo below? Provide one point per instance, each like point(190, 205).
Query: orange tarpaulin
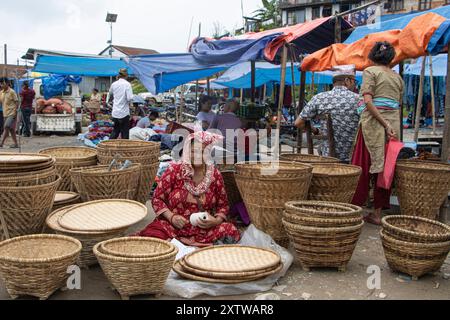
point(411, 42)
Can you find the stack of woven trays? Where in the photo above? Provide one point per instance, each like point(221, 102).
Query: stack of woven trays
point(136, 266)
point(28, 184)
point(99, 183)
point(37, 265)
point(307, 158)
point(145, 153)
point(334, 182)
point(415, 245)
point(229, 264)
point(266, 187)
point(324, 234)
point(94, 222)
point(422, 187)
point(68, 158)
point(65, 199)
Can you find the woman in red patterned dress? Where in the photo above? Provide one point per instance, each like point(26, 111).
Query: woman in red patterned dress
point(191, 186)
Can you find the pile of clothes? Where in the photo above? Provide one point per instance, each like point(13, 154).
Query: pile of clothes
point(98, 131)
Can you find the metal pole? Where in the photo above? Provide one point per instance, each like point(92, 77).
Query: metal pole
point(401, 72)
point(208, 86)
point(6, 60)
point(253, 74)
point(419, 101)
point(446, 141)
point(433, 102)
point(301, 103)
point(281, 99)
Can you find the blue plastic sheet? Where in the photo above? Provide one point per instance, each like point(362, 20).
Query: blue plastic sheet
point(54, 85)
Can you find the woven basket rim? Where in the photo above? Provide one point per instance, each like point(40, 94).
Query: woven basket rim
point(41, 236)
point(127, 144)
point(92, 170)
point(352, 170)
point(435, 167)
point(91, 153)
point(46, 158)
point(319, 219)
point(320, 159)
point(322, 229)
point(18, 175)
point(386, 222)
point(76, 196)
point(350, 207)
point(103, 255)
point(291, 166)
point(30, 188)
point(106, 250)
point(414, 244)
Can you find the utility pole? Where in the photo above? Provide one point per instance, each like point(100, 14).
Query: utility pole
point(6, 60)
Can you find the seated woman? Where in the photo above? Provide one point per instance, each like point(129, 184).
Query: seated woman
point(191, 186)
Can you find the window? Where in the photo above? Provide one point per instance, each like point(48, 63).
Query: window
point(327, 11)
point(395, 5)
point(103, 87)
point(67, 92)
point(295, 17)
point(424, 4)
point(315, 13)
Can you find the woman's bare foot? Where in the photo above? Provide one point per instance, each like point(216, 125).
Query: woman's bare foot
point(372, 220)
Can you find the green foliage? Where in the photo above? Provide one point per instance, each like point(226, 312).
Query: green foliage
point(270, 10)
point(138, 87)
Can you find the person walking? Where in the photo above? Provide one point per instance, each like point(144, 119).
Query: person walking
point(121, 93)
point(10, 102)
point(27, 95)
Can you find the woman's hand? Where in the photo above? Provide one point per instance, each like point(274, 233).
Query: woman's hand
point(179, 222)
point(390, 132)
point(210, 222)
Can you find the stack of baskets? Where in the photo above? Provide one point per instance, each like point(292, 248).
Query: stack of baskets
point(422, 187)
point(28, 184)
point(334, 182)
point(68, 158)
point(307, 158)
point(324, 234)
point(145, 153)
point(37, 265)
point(95, 222)
point(415, 245)
point(229, 264)
point(136, 266)
point(266, 187)
point(99, 183)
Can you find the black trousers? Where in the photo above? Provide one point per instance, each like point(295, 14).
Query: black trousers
point(1, 122)
point(121, 128)
point(26, 122)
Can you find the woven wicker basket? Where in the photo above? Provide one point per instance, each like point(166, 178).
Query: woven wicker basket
point(23, 209)
point(29, 179)
point(136, 276)
point(68, 158)
point(234, 196)
point(265, 193)
point(98, 183)
point(136, 247)
point(307, 158)
point(415, 229)
point(334, 182)
point(414, 259)
point(37, 265)
point(87, 239)
point(145, 153)
point(70, 202)
point(323, 210)
point(148, 176)
point(422, 187)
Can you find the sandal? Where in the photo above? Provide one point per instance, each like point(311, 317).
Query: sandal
point(371, 220)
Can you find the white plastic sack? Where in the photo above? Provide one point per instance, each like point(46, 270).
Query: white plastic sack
point(187, 289)
point(137, 133)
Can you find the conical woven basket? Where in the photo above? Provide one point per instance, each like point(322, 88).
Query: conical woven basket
point(142, 152)
point(68, 158)
point(98, 183)
point(266, 188)
point(334, 182)
point(422, 187)
point(307, 158)
point(23, 209)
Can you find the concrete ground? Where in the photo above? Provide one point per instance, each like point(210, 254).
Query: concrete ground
point(320, 284)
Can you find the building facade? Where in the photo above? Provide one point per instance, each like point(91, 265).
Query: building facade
point(298, 11)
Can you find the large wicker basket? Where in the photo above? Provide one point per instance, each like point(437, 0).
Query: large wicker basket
point(68, 158)
point(412, 258)
point(307, 158)
point(23, 209)
point(98, 183)
point(87, 239)
point(37, 265)
point(266, 188)
point(136, 276)
point(334, 182)
point(323, 247)
point(415, 229)
point(233, 194)
point(422, 187)
point(148, 176)
point(29, 179)
point(323, 210)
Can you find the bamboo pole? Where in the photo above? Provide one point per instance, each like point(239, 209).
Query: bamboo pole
point(301, 102)
point(433, 102)
point(264, 93)
point(446, 140)
point(241, 101)
point(401, 68)
point(281, 99)
point(253, 81)
point(419, 101)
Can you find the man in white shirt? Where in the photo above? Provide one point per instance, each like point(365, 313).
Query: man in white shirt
point(122, 94)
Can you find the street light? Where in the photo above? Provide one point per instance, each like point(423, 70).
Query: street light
point(111, 18)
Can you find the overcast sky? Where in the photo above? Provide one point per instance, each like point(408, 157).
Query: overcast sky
point(79, 25)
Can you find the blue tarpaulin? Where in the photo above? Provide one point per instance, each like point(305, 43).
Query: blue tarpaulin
point(79, 66)
point(437, 42)
point(439, 66)
point(54, 85)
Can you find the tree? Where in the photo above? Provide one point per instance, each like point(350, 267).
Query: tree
point(269, 11)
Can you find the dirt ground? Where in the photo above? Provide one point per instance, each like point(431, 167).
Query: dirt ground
point(320, 284)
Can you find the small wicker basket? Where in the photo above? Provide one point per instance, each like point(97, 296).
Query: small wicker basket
point(307, 158)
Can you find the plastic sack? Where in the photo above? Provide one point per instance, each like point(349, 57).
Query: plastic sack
point(141, 134)
point(386, 178)
point(188, 289)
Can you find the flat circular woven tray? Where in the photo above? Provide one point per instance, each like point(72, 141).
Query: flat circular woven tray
point(178, 268)
point(62, 196)
point(25, 158)
point(232, 259)
point(103, 215)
